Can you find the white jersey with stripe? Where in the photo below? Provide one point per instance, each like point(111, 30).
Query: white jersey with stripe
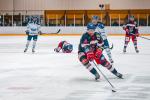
point(102, 32)
point(33, 28)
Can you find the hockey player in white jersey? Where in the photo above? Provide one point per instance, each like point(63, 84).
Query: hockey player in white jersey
point(33, 30)
point(101, 29)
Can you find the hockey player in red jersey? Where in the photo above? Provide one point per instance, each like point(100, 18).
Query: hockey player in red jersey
point(64, 46)
point(90, 49)
point(131, 33)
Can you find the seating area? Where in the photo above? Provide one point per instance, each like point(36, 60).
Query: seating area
point(74, 17)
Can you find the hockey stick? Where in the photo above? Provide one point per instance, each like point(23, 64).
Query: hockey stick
point(144, 38)
point(112, 87)
point(141, 37)
point(57, 32)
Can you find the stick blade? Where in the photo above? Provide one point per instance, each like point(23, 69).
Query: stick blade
point(114, 90)
point(58, 31)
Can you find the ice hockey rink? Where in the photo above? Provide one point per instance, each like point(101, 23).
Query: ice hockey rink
point(47, 75)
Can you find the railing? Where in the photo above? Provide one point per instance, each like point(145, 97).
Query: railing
point(69, 30)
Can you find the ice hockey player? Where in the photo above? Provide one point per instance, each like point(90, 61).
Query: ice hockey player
point(64, 46)
point(131, 33)
point(33, 30)
point(100, 28)
point(90, 49)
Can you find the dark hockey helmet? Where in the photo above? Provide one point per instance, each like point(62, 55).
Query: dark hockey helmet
point(91, 26)
point(34, 19)
point(131, 18)
point(100, 25)
point(68, 48)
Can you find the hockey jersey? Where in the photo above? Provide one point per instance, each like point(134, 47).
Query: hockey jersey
point(33, 29)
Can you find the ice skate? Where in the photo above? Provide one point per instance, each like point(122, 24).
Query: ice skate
point(33, 51)
point(97, 77)
point(25, 50)
point(119, 75)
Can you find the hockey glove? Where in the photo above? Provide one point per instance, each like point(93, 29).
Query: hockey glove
point(40, 32)
point(98, 53)
point(90, 56)
point(27, 32)
point(56, 50)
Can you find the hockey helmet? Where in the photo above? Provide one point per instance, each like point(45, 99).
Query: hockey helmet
point(91, 26)
point(68, 48)
point(34, 19)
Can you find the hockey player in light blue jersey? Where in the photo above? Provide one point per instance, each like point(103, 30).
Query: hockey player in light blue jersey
point(33, 30)
point(101, 29)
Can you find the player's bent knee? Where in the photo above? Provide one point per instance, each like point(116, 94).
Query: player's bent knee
point(81, 55)
point(82, 58)
point(106, 64)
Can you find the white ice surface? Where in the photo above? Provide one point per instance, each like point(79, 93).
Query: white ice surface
point(47, 75)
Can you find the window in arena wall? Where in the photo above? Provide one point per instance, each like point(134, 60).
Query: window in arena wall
point(70, 19)
point(8, 19)
point(62, 20)
point(17, 19)
point(106, 19)
point(123, 19)
point(114, 19)
point(142, 19)
point(1, 18)
point(79, 20)
point(51, 19)
point(148, 20)
point(54, 17)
